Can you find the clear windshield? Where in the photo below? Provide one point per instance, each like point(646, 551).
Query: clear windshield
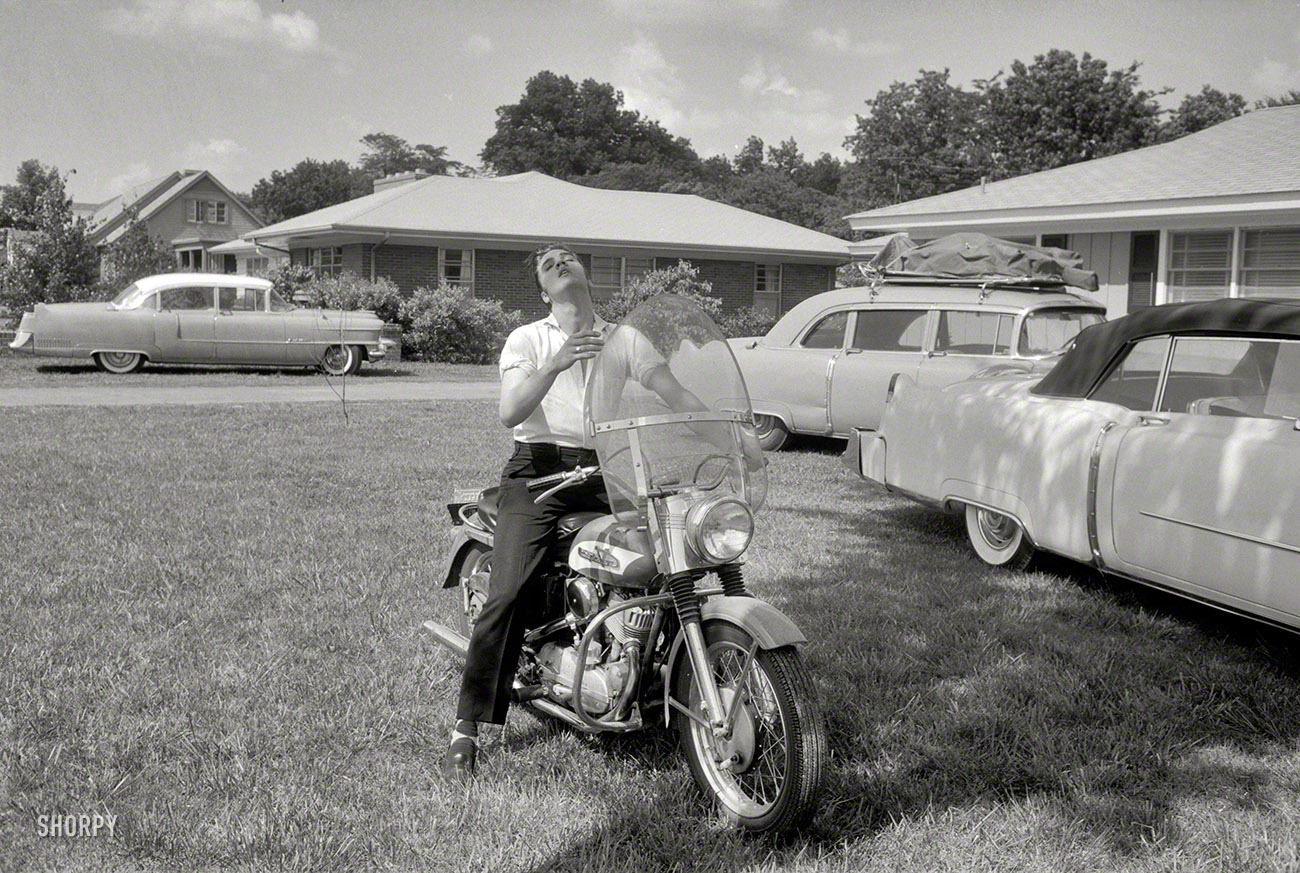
point(1046, 331)
point(669, 409)
point(130, 295)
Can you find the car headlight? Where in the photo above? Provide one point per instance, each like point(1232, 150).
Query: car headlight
point(719, 528)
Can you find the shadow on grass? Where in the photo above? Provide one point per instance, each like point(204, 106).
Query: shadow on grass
point(1104, 707)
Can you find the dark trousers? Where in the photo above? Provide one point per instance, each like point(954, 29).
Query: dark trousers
point(525, 535)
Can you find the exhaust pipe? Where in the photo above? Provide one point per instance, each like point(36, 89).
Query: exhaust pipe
point(458, 645)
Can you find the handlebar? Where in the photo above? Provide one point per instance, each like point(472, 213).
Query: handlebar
point(559, 481)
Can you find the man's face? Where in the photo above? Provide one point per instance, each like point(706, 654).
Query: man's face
point(561, 275)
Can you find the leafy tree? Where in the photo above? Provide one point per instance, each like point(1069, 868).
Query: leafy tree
point(1199, 111)
point(750, 159)
point(58, 263)
point(20, 202)
point(388, 154)
point(637, 177)
point(569, 130)
point(1062, 109)
point(786, 158)
point(1290, 98)
point(133, 255)
point(917, 139)
point(309, 185)
point(823, 174)
point(776, 195)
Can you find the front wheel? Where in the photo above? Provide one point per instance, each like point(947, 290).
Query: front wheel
point(341, 360)
point(998, 539)
point(771, 431)
point(767, 772)
point(119, 362)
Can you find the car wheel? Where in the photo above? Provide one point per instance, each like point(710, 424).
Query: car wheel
point(998, 539)
point(341, 360)
point(119, 362)
point(772, 432)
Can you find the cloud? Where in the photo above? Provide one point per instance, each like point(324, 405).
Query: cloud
point(662, 11)
point(477, 45)
point(214, 154)
point(756, 82)
point(649, 83)
point(138, 173)
point(1274, 77)
point(241, 21)
point(840, 41)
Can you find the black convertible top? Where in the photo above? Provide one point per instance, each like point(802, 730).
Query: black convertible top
point(1096, 347)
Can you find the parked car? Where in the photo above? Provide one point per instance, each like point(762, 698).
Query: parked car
point(1163, 447)
point(823, 368)
point(202, 318)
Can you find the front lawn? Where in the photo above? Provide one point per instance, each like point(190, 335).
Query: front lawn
point(211, 630)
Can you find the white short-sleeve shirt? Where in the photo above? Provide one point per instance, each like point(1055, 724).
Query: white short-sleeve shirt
point(558, 418)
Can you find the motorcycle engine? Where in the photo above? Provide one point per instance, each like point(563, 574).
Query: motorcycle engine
point(606, 673)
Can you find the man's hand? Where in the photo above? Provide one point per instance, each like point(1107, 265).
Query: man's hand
point(580, 346)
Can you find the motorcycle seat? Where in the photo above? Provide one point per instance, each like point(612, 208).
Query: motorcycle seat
point(567, 526)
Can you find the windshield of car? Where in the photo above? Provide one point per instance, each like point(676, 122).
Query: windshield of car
point(278, 303)
point(131, 291)
point(1047, 331)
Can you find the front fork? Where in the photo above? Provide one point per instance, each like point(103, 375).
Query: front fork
point(687, 604)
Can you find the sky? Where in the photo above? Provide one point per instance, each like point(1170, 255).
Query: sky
point(121, 91)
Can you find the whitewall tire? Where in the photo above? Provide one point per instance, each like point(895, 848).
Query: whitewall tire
point(119, 362)
point(341, 360)
point(998, 539)
point(771, 431)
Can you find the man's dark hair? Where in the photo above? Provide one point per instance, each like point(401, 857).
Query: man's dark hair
point(535, 257)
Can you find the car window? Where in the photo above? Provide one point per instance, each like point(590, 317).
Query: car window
point(1133, 382)
point(150, 302)
point(827, 333)
point(189, 298)
point(242, 299)
point(974, 333)
point(890, 330)
point(1234, 377)
point(1048, 330)
point(277, 302)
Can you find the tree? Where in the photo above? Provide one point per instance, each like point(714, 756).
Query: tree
point(750, 159)
point(58, 263)
point(774, 194)
point(133, 255)
point(637, 177)
point(1199, 111)
point(1290, 98)
point(19, 202)
point(917, 139)
point(388, 154)
point(1060, 110)
point(308, 186)
point(569, 130)
point(823, 174)
point(786, 158)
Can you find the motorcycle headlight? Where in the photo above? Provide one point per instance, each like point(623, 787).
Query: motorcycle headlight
point(720, 528)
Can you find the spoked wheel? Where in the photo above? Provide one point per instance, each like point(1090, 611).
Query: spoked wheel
point(119, 362)
point(998, 539)
point(473, 572)
point(772, 432)
point(341, 360)
point(766, 773)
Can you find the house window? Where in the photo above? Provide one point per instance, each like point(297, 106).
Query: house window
point(767, 288)
point(1200, 265)
point(456, 267)
point(190, 260)
point(206, 211)
point(1270, 262)
point(611, 274)
point(256, 265)
point(326, 261)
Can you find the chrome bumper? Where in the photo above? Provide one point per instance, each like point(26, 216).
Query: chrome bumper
point(865, 455)
point(21, 338)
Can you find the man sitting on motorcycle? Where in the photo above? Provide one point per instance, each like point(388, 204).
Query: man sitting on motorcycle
point(544, 367)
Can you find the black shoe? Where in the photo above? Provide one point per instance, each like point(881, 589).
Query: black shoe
point(459, 763)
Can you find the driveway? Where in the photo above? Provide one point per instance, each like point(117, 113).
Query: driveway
point(351, 389)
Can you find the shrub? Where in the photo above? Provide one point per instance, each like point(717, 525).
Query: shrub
point(682, 279)
point(347, 290)
point(746, 322)
point(133, 255)
point(448, 324)
point(288, 279)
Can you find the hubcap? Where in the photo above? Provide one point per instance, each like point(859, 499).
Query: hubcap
point(336, 358)
point(119, 359)
point(762, 425)
point(998, 530)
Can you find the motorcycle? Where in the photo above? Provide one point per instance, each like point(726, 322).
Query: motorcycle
point(648, 617)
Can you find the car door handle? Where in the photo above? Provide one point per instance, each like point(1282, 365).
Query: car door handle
point(853, 351)
point(936, 353)
point(1152, 421)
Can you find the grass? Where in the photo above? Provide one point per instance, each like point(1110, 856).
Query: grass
point(211, 630)
point(27, 371)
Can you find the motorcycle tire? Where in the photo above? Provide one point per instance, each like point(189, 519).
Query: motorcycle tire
point(472, 585)
point(778, 740)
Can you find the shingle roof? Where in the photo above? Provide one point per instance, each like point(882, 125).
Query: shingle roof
point(534, 206)
point(1255, 153)
point(115, 206)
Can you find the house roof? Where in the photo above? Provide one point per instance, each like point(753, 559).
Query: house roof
point(1255, 156)
point(109, 220)
point(532, 207)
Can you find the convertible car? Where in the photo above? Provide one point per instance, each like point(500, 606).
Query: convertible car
point(1163, 447)
point(937, 312)
point(202, 318)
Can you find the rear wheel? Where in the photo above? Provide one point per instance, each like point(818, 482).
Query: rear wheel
point(341, 360)
point(998, 539)
point(766, 774)
point(472, 573)
point(772, 432)
point(119, 362)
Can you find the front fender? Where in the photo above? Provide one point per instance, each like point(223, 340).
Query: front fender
point(770, 627)
point(461, 540)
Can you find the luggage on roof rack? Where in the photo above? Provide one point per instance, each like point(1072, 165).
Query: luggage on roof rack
point(977, 259)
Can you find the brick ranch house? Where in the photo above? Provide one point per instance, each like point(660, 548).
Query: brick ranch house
point(476, 233)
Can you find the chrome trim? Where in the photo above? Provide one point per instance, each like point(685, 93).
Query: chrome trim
point(1204, 601)
point(989, 508)
point(1094, 474)
point(670, 418)
point(1228, 533)
point(830, 372)
point(1164, 373)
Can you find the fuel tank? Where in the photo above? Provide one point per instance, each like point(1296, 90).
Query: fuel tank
point(614, 550)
